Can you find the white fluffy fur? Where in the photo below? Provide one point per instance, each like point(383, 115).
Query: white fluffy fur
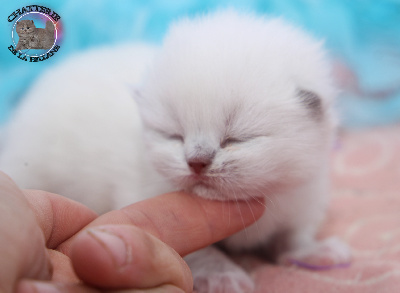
point(224, 87)
point(78, 133)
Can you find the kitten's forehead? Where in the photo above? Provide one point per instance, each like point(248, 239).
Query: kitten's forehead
point(221, 97)
point(24, 22)
point(198, 100)
point(215, 88)
point(198, 112)
point(216, 71)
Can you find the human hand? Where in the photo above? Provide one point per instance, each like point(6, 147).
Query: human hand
point(137, 248)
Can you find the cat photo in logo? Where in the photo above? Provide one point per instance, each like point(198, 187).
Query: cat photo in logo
point(36, 33)
point(31, 37)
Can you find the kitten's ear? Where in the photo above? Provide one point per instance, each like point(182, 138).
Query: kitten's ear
point(32, 21)
point(312, 102)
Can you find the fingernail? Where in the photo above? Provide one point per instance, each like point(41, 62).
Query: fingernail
point(28, 286)
point(114, 245)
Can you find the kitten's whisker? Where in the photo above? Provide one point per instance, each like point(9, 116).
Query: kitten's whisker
point(255, 220)
point(271, 210)
point(224, 212)
point(257, 200)
point(276, 208)
point(241, 216)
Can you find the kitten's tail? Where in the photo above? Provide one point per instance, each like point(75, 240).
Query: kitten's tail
point(49, 27)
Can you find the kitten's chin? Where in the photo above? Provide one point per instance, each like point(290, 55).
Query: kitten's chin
point(208, 192)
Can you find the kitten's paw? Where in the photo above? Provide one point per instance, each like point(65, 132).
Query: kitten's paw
point(328, 254)
point(237, 281)
point(214, 272)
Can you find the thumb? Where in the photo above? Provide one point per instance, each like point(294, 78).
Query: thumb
point(22, 242)
point(124, 256)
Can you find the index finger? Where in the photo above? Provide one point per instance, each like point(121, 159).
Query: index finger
point(185, 222)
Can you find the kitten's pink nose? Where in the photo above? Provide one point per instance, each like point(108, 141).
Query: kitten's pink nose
point(198, 166)
point(199, 158)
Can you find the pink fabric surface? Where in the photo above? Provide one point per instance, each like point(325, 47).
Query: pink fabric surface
point(364, 212)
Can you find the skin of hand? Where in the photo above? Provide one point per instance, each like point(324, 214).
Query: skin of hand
point(49, 243)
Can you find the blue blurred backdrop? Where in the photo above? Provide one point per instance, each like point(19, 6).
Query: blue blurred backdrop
point(362, 36)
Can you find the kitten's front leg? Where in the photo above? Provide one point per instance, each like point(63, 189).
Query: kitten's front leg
point(214, 272)
point(305, 207)
point(325, 254)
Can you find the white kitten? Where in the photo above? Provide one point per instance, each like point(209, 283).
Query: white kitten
point(238, 107)
point(234, 107)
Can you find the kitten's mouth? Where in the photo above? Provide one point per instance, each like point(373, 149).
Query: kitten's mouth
point(193, 181)
point(211, 188)
point(203, 186)
point(203, 190)
point(198, 178)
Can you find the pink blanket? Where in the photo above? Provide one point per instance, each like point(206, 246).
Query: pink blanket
point(365, 212)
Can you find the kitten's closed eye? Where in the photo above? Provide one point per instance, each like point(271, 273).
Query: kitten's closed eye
point(228, 141)
point(177, 137)
point(172, 136)
point(169, 135)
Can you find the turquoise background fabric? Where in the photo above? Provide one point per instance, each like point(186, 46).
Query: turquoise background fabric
point(363, 36)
